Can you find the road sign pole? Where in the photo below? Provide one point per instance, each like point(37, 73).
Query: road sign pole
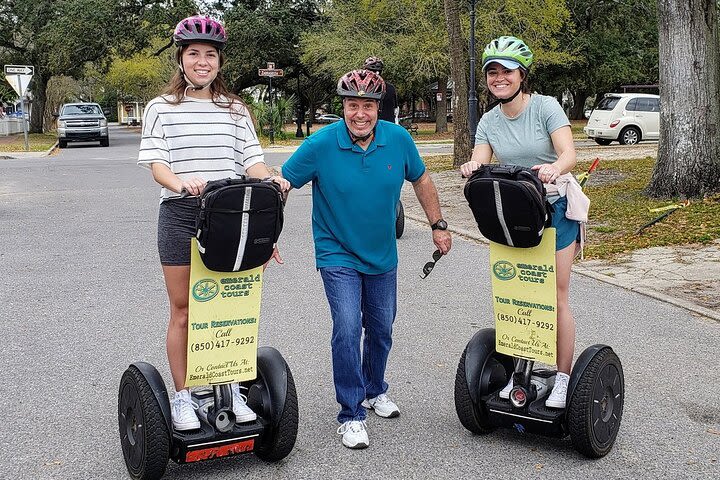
point(24, 123)
point(272, 120)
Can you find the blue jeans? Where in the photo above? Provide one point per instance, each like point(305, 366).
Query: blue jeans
point(359, 301)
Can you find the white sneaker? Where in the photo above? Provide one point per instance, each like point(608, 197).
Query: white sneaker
point(383, 406)
point(505, 392)
point(183, 412)
point(354, 434)
point(242, 412)
point(559, 391)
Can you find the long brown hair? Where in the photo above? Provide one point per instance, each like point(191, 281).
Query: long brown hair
point(174, 91)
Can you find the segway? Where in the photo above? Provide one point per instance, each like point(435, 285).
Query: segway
point(146, 432)
point(596, 389)
point(594, 402)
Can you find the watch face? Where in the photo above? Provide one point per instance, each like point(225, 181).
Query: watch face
point(440, 225)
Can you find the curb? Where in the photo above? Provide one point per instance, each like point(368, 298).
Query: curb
point(18, 155)
point(678, 302)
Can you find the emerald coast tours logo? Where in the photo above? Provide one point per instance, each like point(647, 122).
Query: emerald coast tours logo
point(503, 270)
point(205, 290)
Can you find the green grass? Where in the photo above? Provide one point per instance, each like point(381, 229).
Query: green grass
point(38, 142)
point(577, 129)
point(619, 207)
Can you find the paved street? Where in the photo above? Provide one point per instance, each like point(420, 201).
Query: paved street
point(82, 296)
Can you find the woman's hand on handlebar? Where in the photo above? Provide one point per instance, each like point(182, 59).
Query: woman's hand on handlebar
point(194, 186)
point(547, 172)
point(468, 168)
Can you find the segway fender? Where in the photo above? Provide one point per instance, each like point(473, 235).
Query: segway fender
point(271, 365)
point(480, 346)
point(582, 362)
point(158, 387)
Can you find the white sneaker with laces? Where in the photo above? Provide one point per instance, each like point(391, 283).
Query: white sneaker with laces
point(505, 392)
point(383, 406)
point(242, 412)
point(183, 412)
point(354, 434)
point(559, 392)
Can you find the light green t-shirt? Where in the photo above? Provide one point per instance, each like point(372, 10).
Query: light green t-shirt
point(524, 140)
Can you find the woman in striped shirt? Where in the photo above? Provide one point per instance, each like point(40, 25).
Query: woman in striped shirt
point(194, 132)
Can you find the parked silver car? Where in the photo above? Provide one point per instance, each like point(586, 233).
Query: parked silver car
point(82, 122)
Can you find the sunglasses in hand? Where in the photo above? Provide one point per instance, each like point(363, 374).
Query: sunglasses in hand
point(437, 255)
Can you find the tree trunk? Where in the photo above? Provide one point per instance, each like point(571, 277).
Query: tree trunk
point(458, 64)
point(577, 112)
point(688, 161)
point(441, 110)
point(39, 83)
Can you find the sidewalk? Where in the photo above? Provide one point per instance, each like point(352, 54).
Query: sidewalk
point(686, 276)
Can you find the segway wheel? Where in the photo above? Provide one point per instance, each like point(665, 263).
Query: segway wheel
point(489, 370)
point(399, 220)
point(596, 405)
point(274, 396)
point(144, 433)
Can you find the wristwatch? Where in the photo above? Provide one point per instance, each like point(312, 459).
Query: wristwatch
point(439, 225)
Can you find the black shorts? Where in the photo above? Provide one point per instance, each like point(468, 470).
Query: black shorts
point(176, 226)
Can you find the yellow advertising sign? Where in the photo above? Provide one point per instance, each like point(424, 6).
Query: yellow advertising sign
point(223, 324)
point(525, 299)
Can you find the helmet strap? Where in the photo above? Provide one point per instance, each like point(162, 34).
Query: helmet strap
point(510, 99)
point(356, 139)
point(191, 85)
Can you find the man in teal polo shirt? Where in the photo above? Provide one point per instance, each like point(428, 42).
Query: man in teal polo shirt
point(357, 168)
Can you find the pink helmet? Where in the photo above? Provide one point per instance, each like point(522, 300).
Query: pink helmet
point(361, 84)
point(199, 29)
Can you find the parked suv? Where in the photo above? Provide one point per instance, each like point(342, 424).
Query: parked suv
point(625, 117)
point(82, 122)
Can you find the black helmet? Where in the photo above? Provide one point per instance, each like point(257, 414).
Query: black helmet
point(374, 64)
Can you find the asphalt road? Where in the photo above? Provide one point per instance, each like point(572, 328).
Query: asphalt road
point(82, 296)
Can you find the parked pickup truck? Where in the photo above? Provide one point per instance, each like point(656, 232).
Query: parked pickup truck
point(82, 122)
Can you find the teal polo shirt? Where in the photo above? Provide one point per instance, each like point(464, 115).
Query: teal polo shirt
point(354, 193)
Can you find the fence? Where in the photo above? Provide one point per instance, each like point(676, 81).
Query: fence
point(10, 126)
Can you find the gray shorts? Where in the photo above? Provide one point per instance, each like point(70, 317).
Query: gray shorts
point(176, 226)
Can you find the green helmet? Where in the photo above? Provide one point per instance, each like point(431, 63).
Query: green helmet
point(510, 52)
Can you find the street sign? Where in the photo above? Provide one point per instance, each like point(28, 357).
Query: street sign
point(19, 76)
point(267, 72)
point(19, 70)
point(270, 71)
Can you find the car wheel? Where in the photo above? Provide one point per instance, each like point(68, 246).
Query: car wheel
point(629, 136)
point(62, 143)
point(105, 142)
point(603, 141)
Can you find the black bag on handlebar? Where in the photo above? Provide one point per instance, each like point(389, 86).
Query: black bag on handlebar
point(239, 222)
point(509, 205)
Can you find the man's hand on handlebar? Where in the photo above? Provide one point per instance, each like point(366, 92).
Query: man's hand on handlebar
point(284, 184)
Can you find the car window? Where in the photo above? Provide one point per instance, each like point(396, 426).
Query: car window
point(644, 105)
point(654, 104)
point(607, 103)
point(81, 110)
point(632, 105)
